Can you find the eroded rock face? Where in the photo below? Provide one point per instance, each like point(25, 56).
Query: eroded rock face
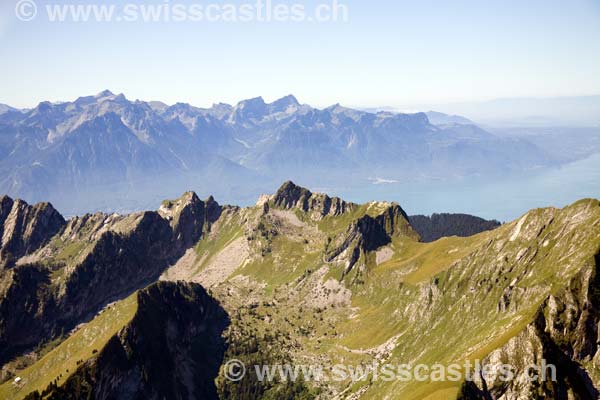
point(171, 349)
point(370, 233)
point(290, 196)
point(37, 308)
point(189, 215)
point(564, 333)
point(367, 233)
point(25, 228)
point(20, 301)
point(117, 255)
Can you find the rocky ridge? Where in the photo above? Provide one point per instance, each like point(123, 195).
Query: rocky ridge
point(181, 320)
point(351, 285)
point(94, 259)
point(25, 228)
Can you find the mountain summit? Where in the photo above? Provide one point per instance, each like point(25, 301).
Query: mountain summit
point(68, 152)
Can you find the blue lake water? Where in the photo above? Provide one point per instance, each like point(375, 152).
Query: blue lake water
point(503, 199)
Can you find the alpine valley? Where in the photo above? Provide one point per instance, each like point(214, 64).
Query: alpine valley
point(153, 304)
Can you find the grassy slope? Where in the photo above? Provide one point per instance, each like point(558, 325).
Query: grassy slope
point(439, 300)
point(226, 232)
point(62, 360)
point(445, 305)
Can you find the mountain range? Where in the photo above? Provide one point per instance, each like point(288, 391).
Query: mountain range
point(532, 112)
point(155, 304)
point(107, 152)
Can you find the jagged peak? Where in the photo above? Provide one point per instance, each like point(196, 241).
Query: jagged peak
point(188, 215)
point(169, 208)
point(187, 198)
point(6, 205)
point(251, 102)
point(289, 194)
point(284, 103)
point(319, 205)
point(290, 185)
point(43, 107)
point(210, 199)
point(338, 108)
point(17, 203)
point(5, 198)
point(107, 95)
point(104, 93)
point(25, 228)
point(222, 105)
point(264, 199)
point(181, 106)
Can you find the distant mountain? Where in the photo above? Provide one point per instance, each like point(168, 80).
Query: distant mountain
point(4, 108)
point(108, 152)
point(438, 118)
point(579, 111)
point(436, 226)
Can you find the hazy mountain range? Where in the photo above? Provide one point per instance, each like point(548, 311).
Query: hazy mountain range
point(108, 152)
point(574, 111)
point(4, 108)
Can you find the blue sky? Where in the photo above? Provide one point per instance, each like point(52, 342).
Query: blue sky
point(389, 53)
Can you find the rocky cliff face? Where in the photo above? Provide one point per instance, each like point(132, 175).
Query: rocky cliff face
point(188, 216)
point(25, 228)
point(171, 349)
point(21, 300)
point(564, 333)
point(290, 196)
point(96, 259)
point(368, 233)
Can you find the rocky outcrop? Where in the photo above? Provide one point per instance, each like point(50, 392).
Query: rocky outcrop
point(171, 349)
point(130, 255)
point(25, 228)
point(25, 295)
point(123, 254)
point(318, 205)
point(188, 216)
point(368, 234)
point(564, 334)
point(118, 263)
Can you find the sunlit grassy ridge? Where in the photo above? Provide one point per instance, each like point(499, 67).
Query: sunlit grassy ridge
point(430, 303)
point(446, 307)
point(449, 301)
point(63, 360)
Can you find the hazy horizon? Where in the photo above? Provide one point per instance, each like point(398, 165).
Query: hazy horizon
point(500, 112)
point(387, 54)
